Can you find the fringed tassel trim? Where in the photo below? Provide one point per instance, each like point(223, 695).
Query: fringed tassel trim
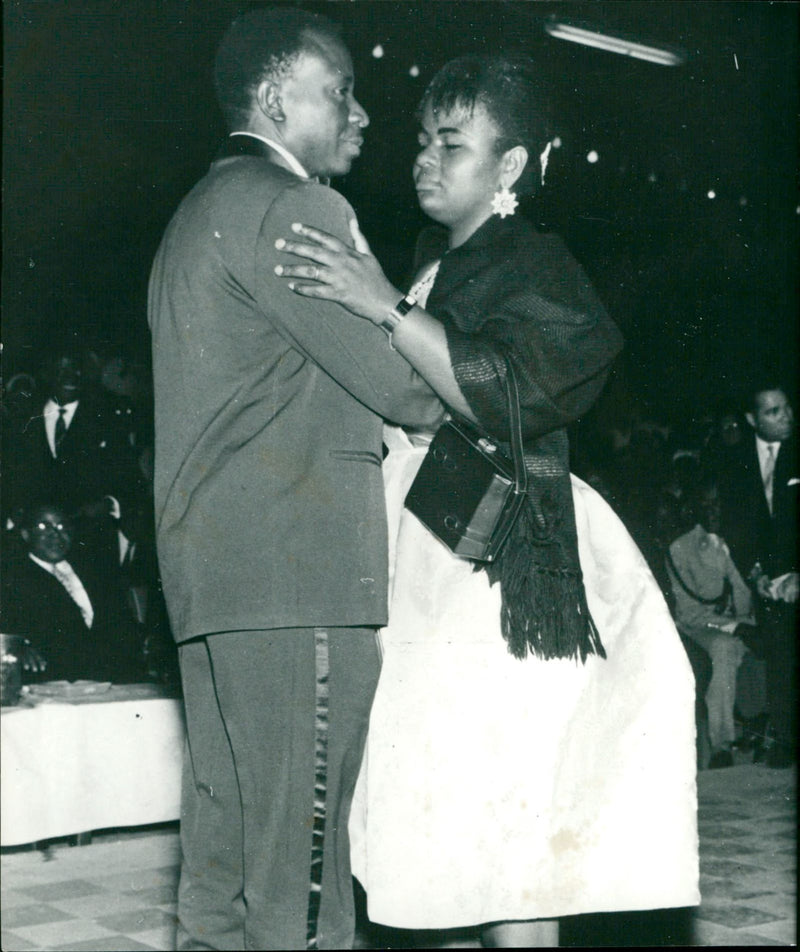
point(544, 610)
point(548, 616)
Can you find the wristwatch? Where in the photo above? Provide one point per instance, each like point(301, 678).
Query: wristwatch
point(397, 313)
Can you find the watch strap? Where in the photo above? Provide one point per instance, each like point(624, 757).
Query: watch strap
point(397, 313)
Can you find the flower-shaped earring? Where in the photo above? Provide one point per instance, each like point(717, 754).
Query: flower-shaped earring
point(504, 202)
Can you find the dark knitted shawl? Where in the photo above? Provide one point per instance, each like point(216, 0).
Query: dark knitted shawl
point(511, 292)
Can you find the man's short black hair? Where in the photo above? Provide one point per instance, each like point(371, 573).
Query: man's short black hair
point(27, 513)
point(762, 383)
point(261, 44)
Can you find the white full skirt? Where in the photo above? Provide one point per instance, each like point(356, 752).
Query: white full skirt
point(494, 788)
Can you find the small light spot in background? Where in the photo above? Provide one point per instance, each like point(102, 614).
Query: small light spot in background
point(378, 51)
point(743, 201)
point(557, 142)
point(592, 157)
point(414, 71)
point(712, 193)
point(652, 177)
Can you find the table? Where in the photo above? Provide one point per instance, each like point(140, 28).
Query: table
point(70, 767)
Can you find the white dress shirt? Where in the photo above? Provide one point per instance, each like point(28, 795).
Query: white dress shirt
point(767, 466)
point(51, 414)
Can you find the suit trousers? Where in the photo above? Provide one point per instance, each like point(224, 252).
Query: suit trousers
point(778, 646)
point(276, 723)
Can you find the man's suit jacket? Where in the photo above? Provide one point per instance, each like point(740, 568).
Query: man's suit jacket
point(36, 604)
point(95, 459)
point(268, 413)
point(752, 533)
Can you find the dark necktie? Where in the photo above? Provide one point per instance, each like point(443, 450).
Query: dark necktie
point(61, 428)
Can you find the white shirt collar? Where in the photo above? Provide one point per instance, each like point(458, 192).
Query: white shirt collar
point(762, 446)
point(52, 406)
point(292, 162)
point(50, 566)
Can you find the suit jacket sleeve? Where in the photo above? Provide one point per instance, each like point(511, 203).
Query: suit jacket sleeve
point(350, 349)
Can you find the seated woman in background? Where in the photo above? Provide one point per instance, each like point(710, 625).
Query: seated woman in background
point(531, 744)
point(75, 613)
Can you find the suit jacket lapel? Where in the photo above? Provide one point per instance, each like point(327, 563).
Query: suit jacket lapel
point(781, 491)
point(57, 600)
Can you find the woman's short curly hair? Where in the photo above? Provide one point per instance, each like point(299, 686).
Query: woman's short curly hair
point(262, 44)
point(514, 95)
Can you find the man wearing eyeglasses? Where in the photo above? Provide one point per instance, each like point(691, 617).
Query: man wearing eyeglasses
point(75, 614)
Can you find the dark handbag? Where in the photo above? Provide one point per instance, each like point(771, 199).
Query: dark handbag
point(467, 492)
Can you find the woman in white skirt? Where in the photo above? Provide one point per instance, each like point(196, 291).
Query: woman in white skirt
point(531, 748)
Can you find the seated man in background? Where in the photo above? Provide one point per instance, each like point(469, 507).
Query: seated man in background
point(714, 608)
point(74, 612)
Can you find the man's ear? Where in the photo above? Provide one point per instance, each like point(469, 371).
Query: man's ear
point(268, 97)
point(750, 419)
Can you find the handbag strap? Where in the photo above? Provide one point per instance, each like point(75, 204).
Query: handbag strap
point(515, 427)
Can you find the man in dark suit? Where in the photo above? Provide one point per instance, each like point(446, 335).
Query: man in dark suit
point(271, 521)
point(74, 448)
point(759, 484)
point(74, 612)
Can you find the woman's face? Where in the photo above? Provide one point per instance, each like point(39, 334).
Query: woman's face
point(457, 172)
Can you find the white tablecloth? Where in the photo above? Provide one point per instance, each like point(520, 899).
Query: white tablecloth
point(113, 760)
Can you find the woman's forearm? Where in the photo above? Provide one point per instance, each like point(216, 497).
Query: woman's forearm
point(422, 340)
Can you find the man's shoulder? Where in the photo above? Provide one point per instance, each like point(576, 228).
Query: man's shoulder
point(686, 542)
point(19, 570)
point(238, 179)
point(309, 203)
point(789, 449)
point(250, 167)
point(253, 187)
point(739, 461)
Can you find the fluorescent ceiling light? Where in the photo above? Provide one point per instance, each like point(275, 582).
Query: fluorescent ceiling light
point(613, 44)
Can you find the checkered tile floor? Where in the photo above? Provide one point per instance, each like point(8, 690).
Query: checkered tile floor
point(119, 892)
point(116, 894)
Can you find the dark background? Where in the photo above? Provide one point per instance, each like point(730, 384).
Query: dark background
point(109, 118)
